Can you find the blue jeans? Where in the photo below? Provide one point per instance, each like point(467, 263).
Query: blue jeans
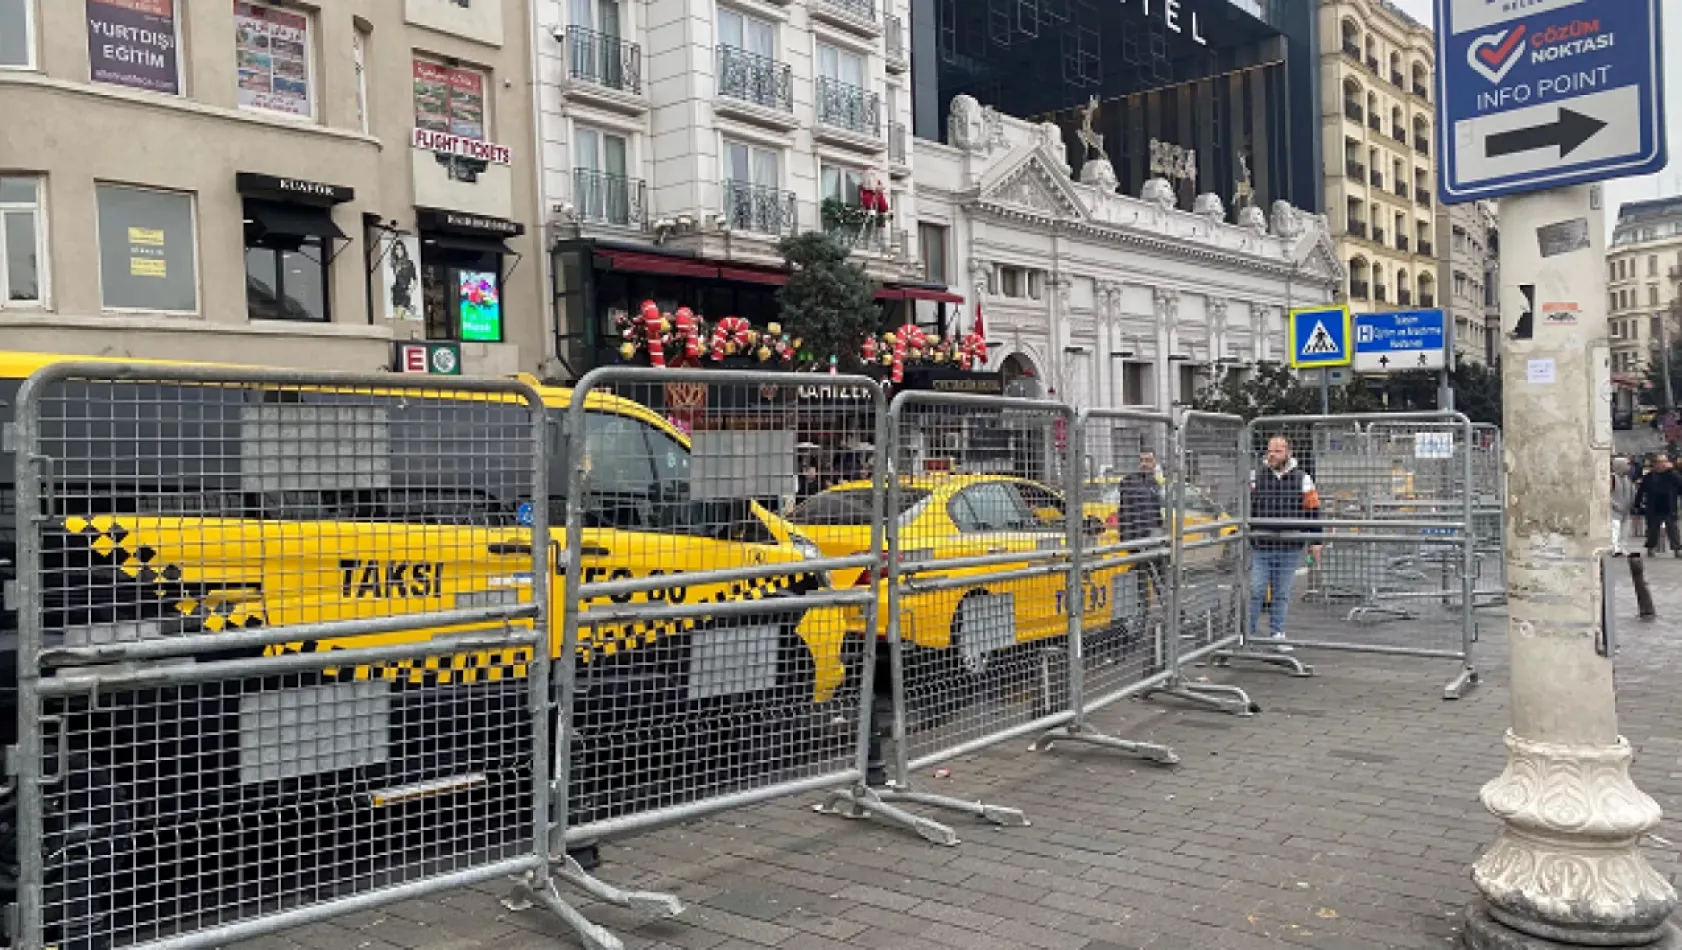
point(1278, 570)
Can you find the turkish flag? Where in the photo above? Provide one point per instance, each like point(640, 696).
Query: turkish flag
point(978, 327)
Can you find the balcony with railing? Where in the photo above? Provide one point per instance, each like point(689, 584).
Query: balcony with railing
point(1422, 144)
point(858, 15)
point(898, 145)
point(1399, 134)
point(893, 45)
point(1372, 64)
point(1396, 79)
point(1404, 297)
point(853, 112)
point(1375, 123)
point(1355, 169)
point(1422, 195)
point(758, 209)
point(1421, 90)
point(1401, 242)
point(1426, 249)
point(758, 86)
point(1380, 294)
point(1358, 228)
point(1378, 235)
point(599, 61)
point(1359, 290)
point(1376, 178)
point(1353, 111)
point(1427, 300)
point(1352, 50)
point(615, 200)
point(1401, 189)
point(859, 229)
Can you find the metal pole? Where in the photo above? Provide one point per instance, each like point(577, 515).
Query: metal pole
point(1561, 875)
point(1664, 351)
point(1325, 391)
point(1075, 517)
point(1445, 391)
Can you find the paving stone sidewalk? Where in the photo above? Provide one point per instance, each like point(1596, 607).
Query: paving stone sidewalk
point(1344, 817)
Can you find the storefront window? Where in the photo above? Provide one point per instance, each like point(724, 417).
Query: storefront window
point(287, 283)
point(463, 294)
point(134, 43)
point(272, 49)
point(147, 251)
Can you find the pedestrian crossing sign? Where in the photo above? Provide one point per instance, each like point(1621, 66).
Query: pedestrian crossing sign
point(1322, 336)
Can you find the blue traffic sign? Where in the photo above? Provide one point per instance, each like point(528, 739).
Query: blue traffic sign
point(1393, 342)
point(1320, 337)
point(1546, 93)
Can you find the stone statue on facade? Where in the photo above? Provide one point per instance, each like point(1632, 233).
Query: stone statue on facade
point(1209, 207)
point(1095, 169)
point(1288, 222)
point(1051, 142)
point(963, 124)
point(1244, 194)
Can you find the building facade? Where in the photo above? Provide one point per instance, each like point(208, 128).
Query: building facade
point(1377, 76)
point(1106, 300)
point(1644, 278)
point(298, 185)
point(682, 140)
point(1466, 232)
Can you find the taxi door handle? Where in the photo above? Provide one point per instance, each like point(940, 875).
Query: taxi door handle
point(590, 550)
point(1001, 549)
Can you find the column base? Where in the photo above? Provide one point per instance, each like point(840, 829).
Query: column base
point(1484, 932)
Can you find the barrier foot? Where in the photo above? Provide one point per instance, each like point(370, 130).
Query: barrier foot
point(1086, 735)
point(1467, 679)
point(650, 903)
point(1208, 695)
point(1292, 665)
point(590, 936)
point(866, 802)
point(997, 814)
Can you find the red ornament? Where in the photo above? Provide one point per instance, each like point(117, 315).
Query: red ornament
point(651, 333)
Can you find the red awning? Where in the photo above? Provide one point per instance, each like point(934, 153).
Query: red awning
point(929, 293)
point(749, 276)
point(658, 264)
point(889, 293)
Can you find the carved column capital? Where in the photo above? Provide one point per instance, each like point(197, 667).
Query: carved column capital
point(1167, 304)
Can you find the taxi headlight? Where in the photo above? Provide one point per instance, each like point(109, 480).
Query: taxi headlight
point(809, 551)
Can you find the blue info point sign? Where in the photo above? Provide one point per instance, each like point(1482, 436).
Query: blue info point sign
point(1535, 94)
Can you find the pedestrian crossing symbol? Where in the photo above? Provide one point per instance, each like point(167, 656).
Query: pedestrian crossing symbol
point(1321, 337)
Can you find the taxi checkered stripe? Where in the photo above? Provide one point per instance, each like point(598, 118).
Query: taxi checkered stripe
point(491, 666)
point(113, 545)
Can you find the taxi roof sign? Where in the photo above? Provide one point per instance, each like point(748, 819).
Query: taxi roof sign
point(1321, 336)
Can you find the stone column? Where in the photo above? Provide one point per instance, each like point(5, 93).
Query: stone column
point(1106, 298)
point(1167, 315)
point(1566, 869)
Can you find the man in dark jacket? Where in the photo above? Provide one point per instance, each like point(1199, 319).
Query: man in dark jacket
point(1141, 500)
point(1281, 490)
point(1656, 499)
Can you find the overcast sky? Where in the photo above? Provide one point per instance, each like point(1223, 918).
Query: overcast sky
point(1627, 189)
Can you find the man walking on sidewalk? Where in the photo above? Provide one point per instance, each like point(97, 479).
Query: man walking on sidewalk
point(1623, 502)
point(1657, 500)
point(1279, 489)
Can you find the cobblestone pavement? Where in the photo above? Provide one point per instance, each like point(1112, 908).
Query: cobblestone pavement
point(1344, 816)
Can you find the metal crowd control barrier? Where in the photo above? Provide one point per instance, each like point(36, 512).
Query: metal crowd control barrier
point(1117, 648)
point(1397, 490)
point(719, 634)
point(282, 648)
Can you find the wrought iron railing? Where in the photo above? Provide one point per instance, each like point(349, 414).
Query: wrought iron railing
point(857, 9)
point(894, 39)
point(750, 77)
point(609, 199)
point(603, 60)
point(846, 106)
point(759, 209)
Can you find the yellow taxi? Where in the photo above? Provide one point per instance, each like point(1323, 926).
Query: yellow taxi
point(947, 517)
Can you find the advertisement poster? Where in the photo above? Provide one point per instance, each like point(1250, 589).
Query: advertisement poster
point(449, 100)
point(400, 265)
point(481, 307)
point(133, 43)
point(271, 49)
point(146, 250)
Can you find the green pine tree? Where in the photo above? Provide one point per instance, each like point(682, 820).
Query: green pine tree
point(829, 303)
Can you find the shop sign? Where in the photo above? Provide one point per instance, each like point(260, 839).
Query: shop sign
point(426, 357)
point(133, 43)
point(460, 146)
point(469, 224)
point(300, 190)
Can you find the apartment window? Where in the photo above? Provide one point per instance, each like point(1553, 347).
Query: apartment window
point(1010, 281)
point(450, 100)
point(17, 34)
point(1652, 265)
point(754, 198)
point(1611, 271)
point(134, 44)
point(749, 34)
point(1036, 285)
point(1459, 285)
point(840, 184)
point(1614, 303)
point(601, 176)
point(1188, 383)
point(272, 52)
point(601, 16)
point(931, 246)
point(1653, 294)
point(148, 256)
point(751, 165)
point(21, 243)
point(841, 66)
point(359, 51)
point(1136, 386)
